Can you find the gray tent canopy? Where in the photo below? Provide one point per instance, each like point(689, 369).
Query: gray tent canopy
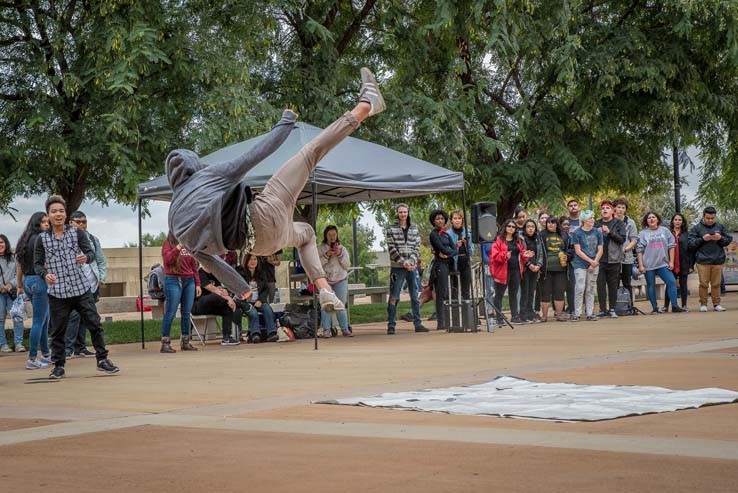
point(354, 171)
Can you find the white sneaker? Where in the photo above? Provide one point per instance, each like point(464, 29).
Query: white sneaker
point(44, 359)
point(35, 364)
point(703, 308)
point(20, 348)
point(329, 302)
point(719, 308)
point(5, 349)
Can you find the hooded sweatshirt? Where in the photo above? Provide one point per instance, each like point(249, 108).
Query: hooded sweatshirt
point(210, 202)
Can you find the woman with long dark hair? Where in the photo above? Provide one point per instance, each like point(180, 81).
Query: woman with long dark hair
point(8, 290)
point(656, 258)
point(534, 262)
point(35, 289)
point(335, 261)
point(181, 285)
point(506, 263)
point(258, 283)
point(683, 259)
point(554, 273)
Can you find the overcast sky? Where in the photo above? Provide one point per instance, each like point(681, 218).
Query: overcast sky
point(116, 224)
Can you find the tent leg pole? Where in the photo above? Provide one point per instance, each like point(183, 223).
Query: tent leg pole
point(140, 274)
point(316, 306)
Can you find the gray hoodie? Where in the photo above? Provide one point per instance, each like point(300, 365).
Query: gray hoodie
point(9, 271)
point(200, 190)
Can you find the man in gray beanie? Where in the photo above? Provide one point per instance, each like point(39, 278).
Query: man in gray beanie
point(212, 210)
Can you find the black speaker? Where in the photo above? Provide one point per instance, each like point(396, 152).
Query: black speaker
point(484, 222)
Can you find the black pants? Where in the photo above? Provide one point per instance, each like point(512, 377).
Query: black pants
point(513, 283)
point(440, 286)
point(214, 304)
point(570, 282)
point(608, 281)
point(682, 288)
point(626, 277)
point(527, 296)
point(464, 269)
point(59, 309)
point(553, 286)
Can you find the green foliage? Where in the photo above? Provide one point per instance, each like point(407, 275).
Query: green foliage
point(533, 100)
point(150, 240)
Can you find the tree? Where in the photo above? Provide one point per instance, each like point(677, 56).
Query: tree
point(534, 100)
point(94, 94)
point(150, 240)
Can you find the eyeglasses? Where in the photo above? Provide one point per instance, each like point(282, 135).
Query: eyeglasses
point(79, 221)
point(510, 226)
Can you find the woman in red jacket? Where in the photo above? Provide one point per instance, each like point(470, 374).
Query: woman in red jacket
point(506, 263)
point(181, 285)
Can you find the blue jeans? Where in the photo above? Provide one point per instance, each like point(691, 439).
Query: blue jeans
point(398, 276)
point(668, 277)
point(179, 292)
point(5, 305)
point(341, 290)
point(253, 314)
point(489, 287)
point(36, 289)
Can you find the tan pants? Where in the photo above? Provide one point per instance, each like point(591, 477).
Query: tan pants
point(710, 276)
point(272, 209)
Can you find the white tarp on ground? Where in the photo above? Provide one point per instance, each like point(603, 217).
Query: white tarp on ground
point(514, 397)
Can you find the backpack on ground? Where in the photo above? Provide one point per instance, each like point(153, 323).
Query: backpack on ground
point(623, 305)
point(155, 283)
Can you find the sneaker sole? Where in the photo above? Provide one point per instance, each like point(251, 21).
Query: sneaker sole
point(109, 372)
point(56, 377)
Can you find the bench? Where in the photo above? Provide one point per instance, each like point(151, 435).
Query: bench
point(378, 294)
point(641, 285)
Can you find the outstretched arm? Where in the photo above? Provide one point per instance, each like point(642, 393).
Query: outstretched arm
point(236, 168)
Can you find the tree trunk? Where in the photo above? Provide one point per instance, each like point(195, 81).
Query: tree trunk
point(506, 206)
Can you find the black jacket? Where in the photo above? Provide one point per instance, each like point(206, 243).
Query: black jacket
point(708, 252)
point(686, 258)
point(442, 243)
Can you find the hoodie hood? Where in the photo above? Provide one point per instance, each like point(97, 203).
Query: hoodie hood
point(180, 165)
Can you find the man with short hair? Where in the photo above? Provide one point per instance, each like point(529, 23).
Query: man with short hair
point(74, 340)
point(613, 237)
point(573, 207)
point(587, 241)
point(631, 241)
point(707, 241)
point(58, 256)
point(403, 246)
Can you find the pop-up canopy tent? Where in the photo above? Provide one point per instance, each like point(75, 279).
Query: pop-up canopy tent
point(354, 171)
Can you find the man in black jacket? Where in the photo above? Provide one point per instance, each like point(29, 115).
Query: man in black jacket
point(707, 240)
point(613, 233)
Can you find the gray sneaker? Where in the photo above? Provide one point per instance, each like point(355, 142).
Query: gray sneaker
point(329, 302)
point(5, 349)
point(20, 348)
point(369, 92)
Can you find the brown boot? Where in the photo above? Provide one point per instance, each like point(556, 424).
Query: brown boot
point(184, 344)
point(166, 346)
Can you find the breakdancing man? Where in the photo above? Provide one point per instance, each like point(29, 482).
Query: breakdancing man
point(213, 210)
